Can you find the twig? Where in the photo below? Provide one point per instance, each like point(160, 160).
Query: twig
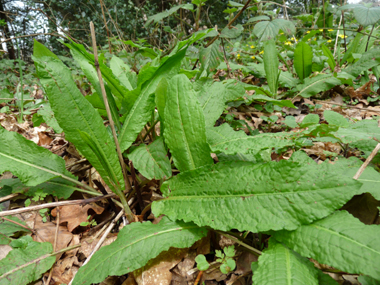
point(343, 105)
point(100, 242)
point(225, 59)
point(16, 223)
point(198, 278)
point(149, 130)
point(55, 204)
point(38, 260)
point(367, 161)
point(8, 197)
point(128, 186)
point(254, 250)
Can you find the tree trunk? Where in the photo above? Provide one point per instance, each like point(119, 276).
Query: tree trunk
point(6, 33)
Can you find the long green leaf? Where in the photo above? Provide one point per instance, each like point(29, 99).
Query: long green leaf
point(121, 71)
point(151, 160)
point(58, 187)
point(18, 266)
point(31, 163)
point(91, 74)
point(255, 197)
point(352, 246)
point(135, 245)
point(280, 265)
point(185, 126)
point(210, 59)
point(303, 60)
point(113, 83)
point(314, 85)
point(330, 57)
point(225, 139)
point(271, 65)
point(143, 107)
point(212, 102)
point(73, 113)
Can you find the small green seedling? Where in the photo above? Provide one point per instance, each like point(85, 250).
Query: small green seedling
point(88, 223)
point(228, 264)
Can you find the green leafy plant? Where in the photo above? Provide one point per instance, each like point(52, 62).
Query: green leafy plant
point(295, 201)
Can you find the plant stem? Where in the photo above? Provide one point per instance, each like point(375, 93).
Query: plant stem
point(366, 47)
point(254, 250)
point(128, 186)
point(21, 84)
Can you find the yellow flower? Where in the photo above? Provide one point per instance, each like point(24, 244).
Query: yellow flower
point(288, 43)
point(329, 41)
point(253, 57)
point(314, 39)
point(281, 33)
point(309, 40)
point(330, 30)
point(321, 30)
point(342, 36)
point(252, 46)
point(261, 52)
point(238, 55)
point(293, 38)
point(246, 45)
point(160, 49)
point(308, 32)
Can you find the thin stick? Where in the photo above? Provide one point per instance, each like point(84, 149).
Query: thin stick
point(8, 197)
point(254, 250)
point(343, 105)
point(105, 23)
point(225, 59)
point(367, 161)
point(38, 260)
point(128, 186)
point(16, 223)
point(55, 204)
point(198, 278)
point(100, 242)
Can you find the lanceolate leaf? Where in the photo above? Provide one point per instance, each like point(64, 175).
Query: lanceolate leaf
point(281, 265)
point(212, 102)
point(185, 126)
point(330, 57)
point(73, 112)
point(152, 160)
point(31, 163)
point(271, 65)
point(255, 197)
point(319, 83)
point(225, 139)
point(210, 59)
point(12, 270)
point(58, 187)
point(135, 245)
point(120, 70)
point(352, 246)
point(303, 59)
point(143, 107)
point(117, 89)
point(91, 74)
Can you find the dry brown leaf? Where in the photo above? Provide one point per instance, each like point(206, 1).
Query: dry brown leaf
point(44, 139)
point(45, 232)
point(157, 271)
point(76, 214)
point(63, 271)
